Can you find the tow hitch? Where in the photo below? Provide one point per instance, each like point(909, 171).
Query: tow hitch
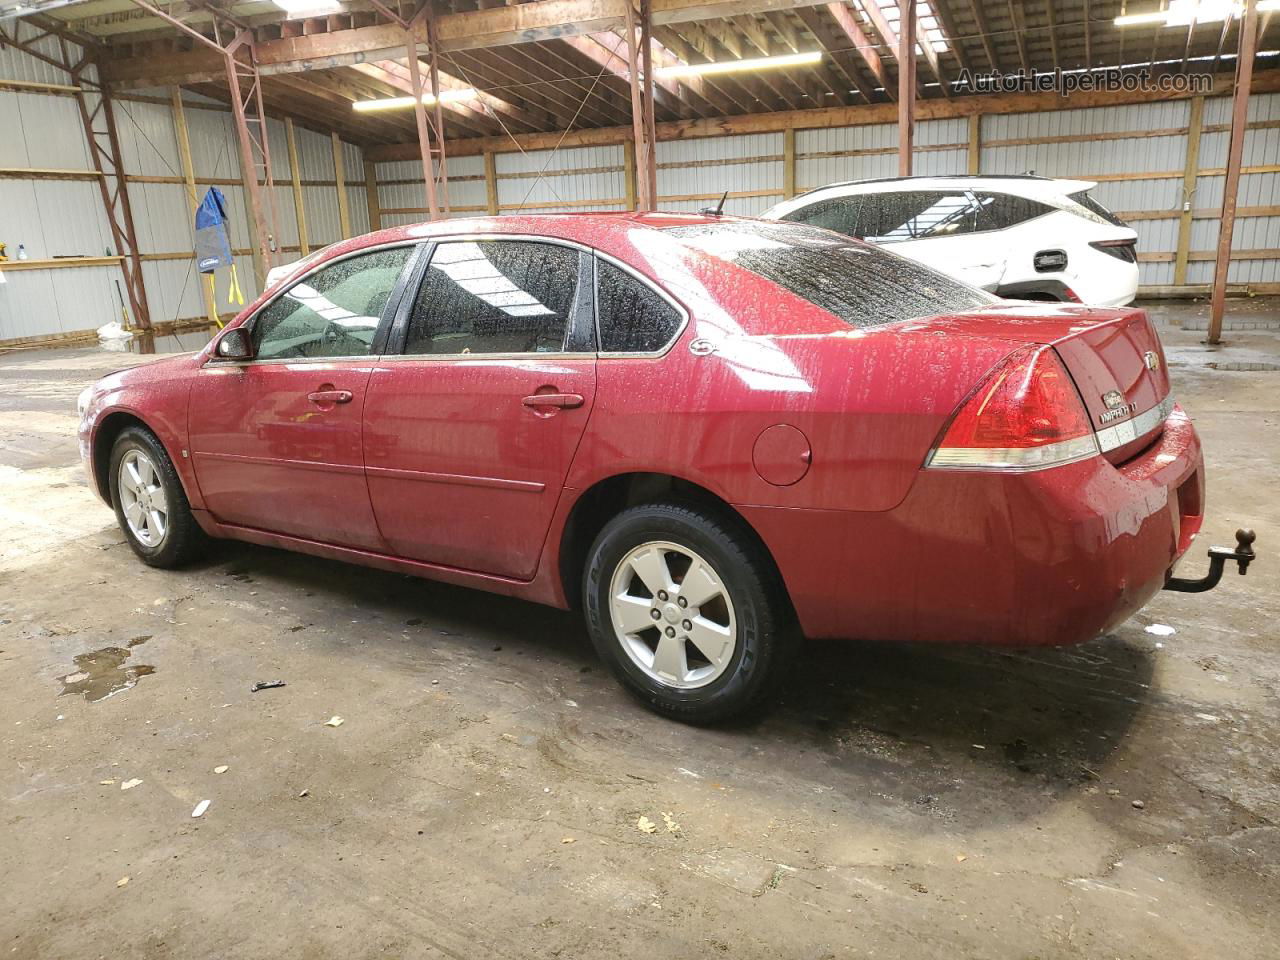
point(1243, 555)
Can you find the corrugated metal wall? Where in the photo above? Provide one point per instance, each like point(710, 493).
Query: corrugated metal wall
point(56, 218)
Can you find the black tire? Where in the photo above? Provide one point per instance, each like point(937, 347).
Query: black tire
point(182, 540)
point(766, 630)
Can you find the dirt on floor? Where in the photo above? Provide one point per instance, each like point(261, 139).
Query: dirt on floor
point(491, 792)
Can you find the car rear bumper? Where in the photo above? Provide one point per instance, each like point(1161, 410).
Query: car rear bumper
point(1041, 558)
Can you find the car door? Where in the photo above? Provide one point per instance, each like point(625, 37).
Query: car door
point(275, 440)
point(470, 431)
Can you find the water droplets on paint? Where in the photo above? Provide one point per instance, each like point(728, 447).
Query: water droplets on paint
point(104, 673)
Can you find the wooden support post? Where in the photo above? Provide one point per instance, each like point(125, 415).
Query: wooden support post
point(371, 195)
point(490, 184)
point(906, 88)
point(248, 167)
point(642, 124)
point(424, 136)
point(340, 177)
point(789, 163)
point(1190, 175)
point(975, 144)
point(1235, 154)
point(295, 177)
point(189, 179)
point(629, 172)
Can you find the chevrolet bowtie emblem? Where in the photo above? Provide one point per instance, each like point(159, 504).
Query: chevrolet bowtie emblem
point(1151, 359)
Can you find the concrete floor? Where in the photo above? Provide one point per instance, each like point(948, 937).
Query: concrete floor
point(481, 798)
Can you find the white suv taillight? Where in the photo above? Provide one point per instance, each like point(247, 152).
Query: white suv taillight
point(1026, 415)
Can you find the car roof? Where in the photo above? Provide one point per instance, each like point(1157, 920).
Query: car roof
point(1021, 185)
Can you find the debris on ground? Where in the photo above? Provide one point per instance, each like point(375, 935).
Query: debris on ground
point(645, 825)
point(122, 881)
point(266, 685)
point(334, 721)
point(672, 826)
point(129, 784)
point(1138, 805)
point(107, 783)
point(567, 840)
point(303, 794)
point(222, 769)
point(201, 807)
point(1160, 630)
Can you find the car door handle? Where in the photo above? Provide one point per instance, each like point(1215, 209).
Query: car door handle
point(562, 400)
point(330, 396)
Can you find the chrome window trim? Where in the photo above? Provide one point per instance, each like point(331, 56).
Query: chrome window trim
point(644, 281)
point(247, 326)
point(432, 357)
point(1127, 431)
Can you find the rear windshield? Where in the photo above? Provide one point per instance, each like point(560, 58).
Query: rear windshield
point(1093, 206)
point(860, 284)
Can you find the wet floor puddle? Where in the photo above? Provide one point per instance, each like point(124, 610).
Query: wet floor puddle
point(104, 673)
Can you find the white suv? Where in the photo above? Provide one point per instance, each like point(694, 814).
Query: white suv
point(1024, 237)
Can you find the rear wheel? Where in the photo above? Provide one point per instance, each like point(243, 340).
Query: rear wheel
point(151, 506)
point(687, 611)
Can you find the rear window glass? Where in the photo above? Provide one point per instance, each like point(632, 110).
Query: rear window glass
point(860, 284)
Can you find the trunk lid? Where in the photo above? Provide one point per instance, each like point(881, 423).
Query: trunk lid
point(1113, 355)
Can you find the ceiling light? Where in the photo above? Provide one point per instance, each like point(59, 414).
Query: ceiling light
point(308, 8)
point(1182, 13)
point(733, 66)
point(403, 103)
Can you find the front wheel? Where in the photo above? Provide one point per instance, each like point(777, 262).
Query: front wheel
point(151, 506)
point(686, 609)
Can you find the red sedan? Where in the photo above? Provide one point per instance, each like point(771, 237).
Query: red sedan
point(713, 435)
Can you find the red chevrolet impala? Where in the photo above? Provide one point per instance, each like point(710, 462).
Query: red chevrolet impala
point(713, 435)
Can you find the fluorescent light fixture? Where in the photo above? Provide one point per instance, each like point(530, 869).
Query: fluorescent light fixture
point(402, 103)
point(1182, 13)
point(734, 66)
point(308, 8)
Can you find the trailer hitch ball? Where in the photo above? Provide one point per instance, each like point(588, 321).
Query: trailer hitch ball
point(1242, 554)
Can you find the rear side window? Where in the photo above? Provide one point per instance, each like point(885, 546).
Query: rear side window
point(914, 215)
point(334, 312)
point(862, 285)
point(839, 214)
point(633, 318)
point(499, 296)
point(998, 211)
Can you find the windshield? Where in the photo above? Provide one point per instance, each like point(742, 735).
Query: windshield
point(860, 284)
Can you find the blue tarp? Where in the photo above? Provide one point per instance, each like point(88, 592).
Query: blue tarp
point(213, 246)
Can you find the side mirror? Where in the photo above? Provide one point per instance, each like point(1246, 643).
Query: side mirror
point(234, 345)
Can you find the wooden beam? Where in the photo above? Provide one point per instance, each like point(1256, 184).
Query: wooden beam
point(789, 163)
point(850, 27)
point(189, 179)
point(41, 173)
point(629, 172)
point(295, 182)
point(491, 184)
point(371, 196)
point(1235, 156)
point(975, 144)
point(1267, 82)
point(906, 87)
point(340, 176)
point(1190, 174)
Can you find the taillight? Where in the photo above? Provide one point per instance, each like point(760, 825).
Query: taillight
point(1125, 250)
point(1027, 415)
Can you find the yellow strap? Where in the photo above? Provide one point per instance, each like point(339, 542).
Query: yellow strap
point(213, 299)
point(234, 296)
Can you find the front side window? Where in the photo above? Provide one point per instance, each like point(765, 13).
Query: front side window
point(862, 285)
point(494, 296)
point(633, 317)
point(334, 312)
point(838, 213)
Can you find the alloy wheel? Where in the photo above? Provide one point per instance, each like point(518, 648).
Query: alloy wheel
point(673, 615)
point(142, 498)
